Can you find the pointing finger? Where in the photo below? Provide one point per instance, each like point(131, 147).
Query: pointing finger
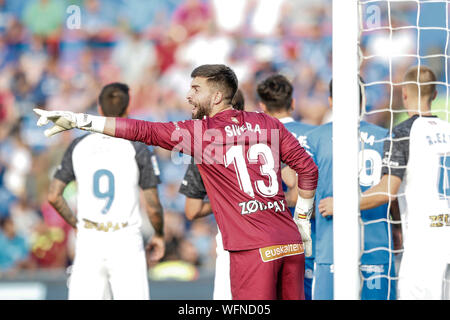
point(39, 112)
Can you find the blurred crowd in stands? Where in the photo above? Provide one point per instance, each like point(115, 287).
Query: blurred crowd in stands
point(55, 59)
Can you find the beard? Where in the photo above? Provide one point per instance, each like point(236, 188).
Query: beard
point(202, 109)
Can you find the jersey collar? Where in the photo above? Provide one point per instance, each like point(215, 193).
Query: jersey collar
point(229, 112)
point(286, 120)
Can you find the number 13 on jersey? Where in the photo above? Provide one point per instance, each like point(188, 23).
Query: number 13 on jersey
point(235, 155)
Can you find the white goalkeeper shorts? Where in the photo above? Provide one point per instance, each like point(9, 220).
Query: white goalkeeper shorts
point(222, 287)
point(421, 277)
point(109, 265)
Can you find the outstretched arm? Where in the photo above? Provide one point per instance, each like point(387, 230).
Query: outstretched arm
point(385, 191)
point(169, 135)
point(110, 127)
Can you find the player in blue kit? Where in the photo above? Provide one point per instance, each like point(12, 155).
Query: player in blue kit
point(275, 93)
point(376, 265)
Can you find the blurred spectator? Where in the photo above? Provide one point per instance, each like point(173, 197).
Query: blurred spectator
point(5, 16)
point(144, 15)
point(181, 259)
point(15, 37)
point(25, 218)
point(136, 59)
point(7, 112)
point(11, 9)
point(14, 253)
point(230, 15)
point(171, 199)
point(22, 90)
point(97, 22)
point(166, 46)
point(174, 232)
point(18, 159)
point(49, 82)
point(48, 248)
point(208, 46)
point(199, 237)
point(265, 17)
point(34, 59)
point(69, 97)
point(6, 54)
point(189, 252)
point(193, 16)
point(44, 17)
point(50, 27)
point(49, 240)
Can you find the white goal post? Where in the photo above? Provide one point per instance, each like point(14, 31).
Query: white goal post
point(346, 226)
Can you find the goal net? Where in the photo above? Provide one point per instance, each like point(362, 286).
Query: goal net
point(387, 38)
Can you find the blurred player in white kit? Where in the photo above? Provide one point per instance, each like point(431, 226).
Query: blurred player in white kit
point(110, 258)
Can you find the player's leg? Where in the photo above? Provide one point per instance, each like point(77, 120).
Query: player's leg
point(291, 280)
point(309, 275)
point(377, 285)
point(251, 278)
point(88, 277)
point(222, 287)
point(88, 284)
point(323, 282)
point(374, 285)
point(127, 265)
point(420, 277)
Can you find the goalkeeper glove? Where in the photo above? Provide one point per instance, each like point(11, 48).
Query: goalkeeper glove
point(302, 215)
point(66, 120)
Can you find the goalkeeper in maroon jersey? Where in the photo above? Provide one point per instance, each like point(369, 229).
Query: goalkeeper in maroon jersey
point(238, 154)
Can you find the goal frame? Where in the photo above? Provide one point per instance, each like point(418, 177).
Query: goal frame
point(346, 193)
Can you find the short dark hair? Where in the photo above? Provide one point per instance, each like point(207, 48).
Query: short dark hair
point(114, 99)
point(276, 93)
point(238, 100)
point(221, 76)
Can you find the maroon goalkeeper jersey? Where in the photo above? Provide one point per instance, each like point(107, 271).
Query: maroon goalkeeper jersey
point(238, 154)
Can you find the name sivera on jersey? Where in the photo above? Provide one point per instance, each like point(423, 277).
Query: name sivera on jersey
point(235, 130)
